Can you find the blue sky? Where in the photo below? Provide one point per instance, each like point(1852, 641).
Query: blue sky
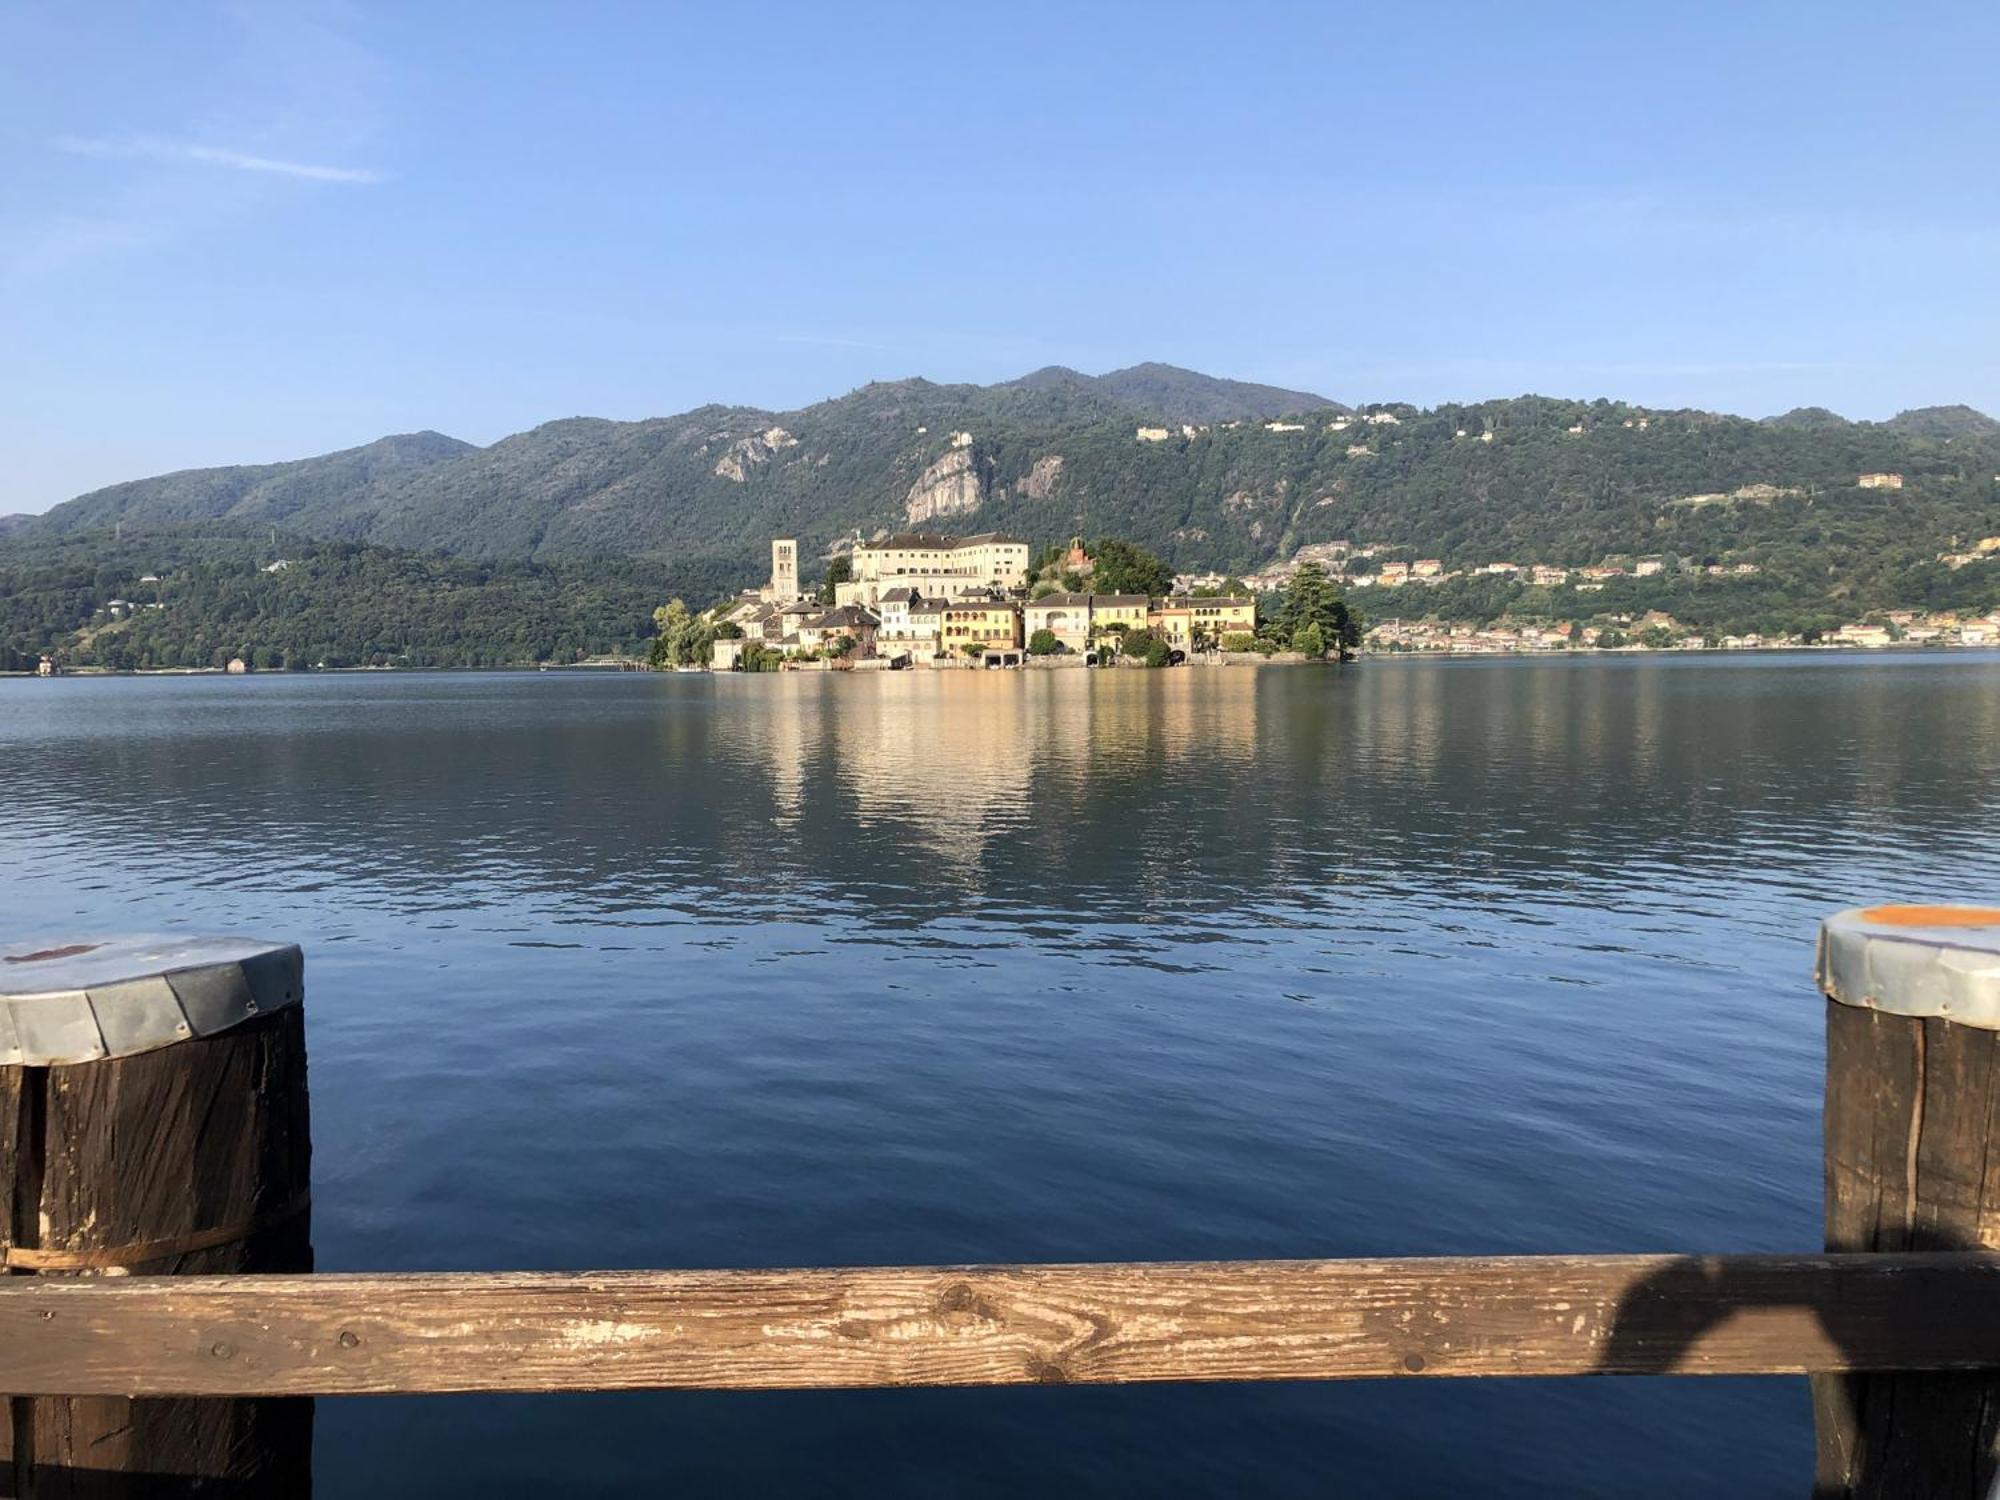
point(236, 233)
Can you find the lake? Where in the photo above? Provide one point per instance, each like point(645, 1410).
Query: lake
point(1405, 958)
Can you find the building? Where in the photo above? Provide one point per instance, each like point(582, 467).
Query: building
point(850, 620)
point(784, 585)
point(926, 629)
point(1109, 612)
point(989, 623)
point(1153, 434)
point(237, 666)
point(1190, 624)
point(1065, 616)
point(935, 566)
point(758, 620)
point(1426, 567)
point(787, 629)
point(1880, 481)
point(893, 611)
point(47, 667)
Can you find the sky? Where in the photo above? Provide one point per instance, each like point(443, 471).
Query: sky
point(237, 233)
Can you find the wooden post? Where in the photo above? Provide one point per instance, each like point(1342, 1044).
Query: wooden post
point(1912, 1027)
point(153, 1120)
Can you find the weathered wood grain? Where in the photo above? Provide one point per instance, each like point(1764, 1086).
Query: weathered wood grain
point(1909, 1122)
point(190, 1144)
point(1001, 1325)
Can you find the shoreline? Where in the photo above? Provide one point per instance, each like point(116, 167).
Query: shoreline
point(1248, 659)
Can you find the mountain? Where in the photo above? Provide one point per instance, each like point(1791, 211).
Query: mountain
point(263, 493)
point(1182, 396)
point(1807, 416)
point(718, 480)
point(1058, 453)
point(1944, 422)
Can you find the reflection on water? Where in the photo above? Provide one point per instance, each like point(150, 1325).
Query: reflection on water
point(1409, 958)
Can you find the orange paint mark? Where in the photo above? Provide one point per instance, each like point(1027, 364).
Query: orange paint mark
point(1933, 916)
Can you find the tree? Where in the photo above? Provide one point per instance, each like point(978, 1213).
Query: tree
point(1124, 568)
point(974, 649)
point(839, 571)
point(683, 640)
point(1144, 645)
point(1310, 640)
point(1311, 598)
point(1043, 643)
point(839, 647)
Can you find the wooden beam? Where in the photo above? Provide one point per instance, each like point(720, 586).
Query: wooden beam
point(337, 1335)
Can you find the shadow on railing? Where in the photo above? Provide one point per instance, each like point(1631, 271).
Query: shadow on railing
point(1923, 1364)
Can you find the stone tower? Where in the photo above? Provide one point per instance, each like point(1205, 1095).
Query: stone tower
point(784, 570)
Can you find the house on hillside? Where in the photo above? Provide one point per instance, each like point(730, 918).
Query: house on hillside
point(1065, 616)
point(849, 620)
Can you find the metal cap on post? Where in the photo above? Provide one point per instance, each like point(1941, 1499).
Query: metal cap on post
point(117, 997)
point(1919, 961)
point(1912, 1123)
point(154, 1121)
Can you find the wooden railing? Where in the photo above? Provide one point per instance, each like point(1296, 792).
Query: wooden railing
point(341, 1335)
point(126, 1357)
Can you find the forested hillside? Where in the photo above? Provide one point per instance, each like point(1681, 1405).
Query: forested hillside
point(198, 595)
point(1209, 473)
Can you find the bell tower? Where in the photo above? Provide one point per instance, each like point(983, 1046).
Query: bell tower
point(784, 570)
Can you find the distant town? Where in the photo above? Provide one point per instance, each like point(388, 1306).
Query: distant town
point(913, 600)
point(922, 600)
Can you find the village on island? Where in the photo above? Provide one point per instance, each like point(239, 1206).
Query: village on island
point(922, 600)
point(909, 600)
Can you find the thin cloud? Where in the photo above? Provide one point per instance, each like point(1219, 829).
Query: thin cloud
point(153, 148)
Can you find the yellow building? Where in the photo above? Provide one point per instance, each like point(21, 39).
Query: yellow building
point(968, 622)
point(1107, 610)
point(1185, 622)
point(1880, 481)
point(1215, 618)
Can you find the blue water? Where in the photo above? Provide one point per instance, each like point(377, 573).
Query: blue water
point(1407, 958)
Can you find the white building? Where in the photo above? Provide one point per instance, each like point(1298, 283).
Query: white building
point(939, 567)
